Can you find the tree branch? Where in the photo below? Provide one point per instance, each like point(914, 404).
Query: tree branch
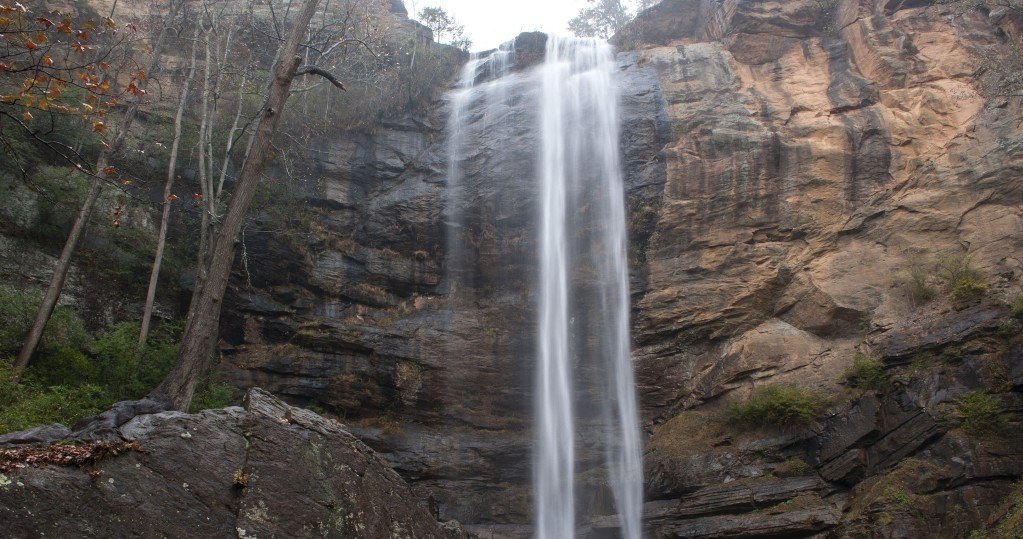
point(313, 70)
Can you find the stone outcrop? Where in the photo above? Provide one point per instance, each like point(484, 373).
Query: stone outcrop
point(788, 165)
point(265, 470)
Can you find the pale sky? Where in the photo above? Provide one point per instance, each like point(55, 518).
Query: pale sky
point(489, 23)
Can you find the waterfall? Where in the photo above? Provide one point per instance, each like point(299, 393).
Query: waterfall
point(584, 385)
point(582, 214)
point(490, 69)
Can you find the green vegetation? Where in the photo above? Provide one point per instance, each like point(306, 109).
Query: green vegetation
point(60, 194)
point(778, 405)
point(1016, 306)
point(603, 18)
point(30, 403)
point(915, 282)
point(211, 394)
point(963, 280)
point(979, 413)
point(866, 373)
point(793, 467)
point(64, 333)
point(445, 28)
point(77, 374)
point(897, 495)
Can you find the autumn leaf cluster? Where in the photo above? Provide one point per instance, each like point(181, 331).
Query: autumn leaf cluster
point(51, 63)
point(63, 454)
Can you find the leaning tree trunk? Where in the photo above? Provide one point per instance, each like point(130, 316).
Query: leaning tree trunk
point(161, 242)
point(195, 358)
point(60, 272)
point(63, 265)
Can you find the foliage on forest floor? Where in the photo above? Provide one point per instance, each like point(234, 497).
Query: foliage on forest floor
point(63, 454)
point(77, 373)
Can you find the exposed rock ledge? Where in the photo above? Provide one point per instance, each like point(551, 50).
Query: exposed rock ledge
point(265, 470)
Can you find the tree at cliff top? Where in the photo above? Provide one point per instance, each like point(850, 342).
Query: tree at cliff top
point(196, 357)
point(604, 18)
point(445, 28)
point(60, 62)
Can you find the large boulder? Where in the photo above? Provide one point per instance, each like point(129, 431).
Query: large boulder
point(265, 470)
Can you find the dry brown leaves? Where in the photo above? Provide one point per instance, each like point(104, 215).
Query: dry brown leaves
point(63, 454)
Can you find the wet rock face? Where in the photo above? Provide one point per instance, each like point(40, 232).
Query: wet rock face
point(268, 470)
point(786, 163)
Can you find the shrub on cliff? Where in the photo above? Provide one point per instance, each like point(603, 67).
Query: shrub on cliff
point(777, 405)
point(1016, 306)
point(963, 280)
point(77, 374)
point(916, 284)
point(979, 413)
point(866, 373)
point(65, 329)
point(32, 403)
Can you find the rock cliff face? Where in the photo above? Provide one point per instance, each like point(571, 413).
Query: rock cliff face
point(790, 167)
point(820, 153)
point(814, 156)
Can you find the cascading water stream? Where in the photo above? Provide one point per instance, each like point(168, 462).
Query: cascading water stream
point(490, 68)
point(582, 214)
point(583, 347)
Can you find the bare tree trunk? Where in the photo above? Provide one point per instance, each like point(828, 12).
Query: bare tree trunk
point(229, 145)
point(241, 89)
point(196, 356)
point(206, 225)
point(161, 242)
point(210, 188)
point(63, 265)
point(59, 273)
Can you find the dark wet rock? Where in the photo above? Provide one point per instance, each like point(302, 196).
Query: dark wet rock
point(46, 434)
point(807, 516)
point(746, 495)
point(530, 48)
point(105, 425)
point(870, 436)
point(935, 331)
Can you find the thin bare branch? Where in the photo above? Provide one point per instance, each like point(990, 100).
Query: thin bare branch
point(314, 70)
